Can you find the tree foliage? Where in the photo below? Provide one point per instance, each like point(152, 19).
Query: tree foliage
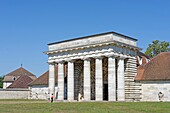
point(156, 47)
point(1, 82)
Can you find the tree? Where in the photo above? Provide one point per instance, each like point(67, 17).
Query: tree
point(156, 47)
point(1, 82)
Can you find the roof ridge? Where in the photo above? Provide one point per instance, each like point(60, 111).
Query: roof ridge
point(21, 70)
point(153, 59)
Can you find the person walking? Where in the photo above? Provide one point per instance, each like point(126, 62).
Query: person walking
point(52, 97)
point(160, 95)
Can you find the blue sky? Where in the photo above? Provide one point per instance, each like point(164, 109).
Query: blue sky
point(27, 26)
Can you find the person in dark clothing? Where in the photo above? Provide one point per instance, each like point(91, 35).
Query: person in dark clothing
point(52, 97)
point(160, 95)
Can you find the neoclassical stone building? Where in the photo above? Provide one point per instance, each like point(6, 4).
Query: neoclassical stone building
point(97, 67)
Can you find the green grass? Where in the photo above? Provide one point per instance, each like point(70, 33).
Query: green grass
point(34, 106)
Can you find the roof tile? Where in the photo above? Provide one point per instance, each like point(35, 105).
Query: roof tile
point(157, 68)
point(21, 82)
point(43, 79)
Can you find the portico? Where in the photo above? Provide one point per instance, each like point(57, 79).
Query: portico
point(95, 67)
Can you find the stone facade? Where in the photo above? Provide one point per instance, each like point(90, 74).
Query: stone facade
point(99, 67)
point(150, 90)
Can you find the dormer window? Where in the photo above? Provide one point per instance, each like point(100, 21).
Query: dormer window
point(14, 78)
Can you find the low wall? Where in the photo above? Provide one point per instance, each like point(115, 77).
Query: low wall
point(14, 93)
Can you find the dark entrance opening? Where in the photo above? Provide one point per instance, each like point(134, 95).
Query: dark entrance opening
point(65, 80)
point(65, 88)
point(116, 65)
point(105, 92)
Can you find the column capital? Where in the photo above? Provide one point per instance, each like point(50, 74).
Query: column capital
point(122, 57)
point(86, 58)
point(51, 63)
point(98, 57)
point(61, 62)
point(112, 54)
point(70, 60)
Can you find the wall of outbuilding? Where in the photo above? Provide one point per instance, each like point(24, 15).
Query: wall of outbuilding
point(6, 84)
point(150, 90)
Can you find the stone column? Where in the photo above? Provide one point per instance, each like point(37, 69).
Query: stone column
point(87, 88)
point(99, 79)
point(51, 83)
point(111, 79)
point(70, 81)
point(120, 81)
point(60, 81)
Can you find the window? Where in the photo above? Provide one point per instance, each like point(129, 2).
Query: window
point(14, 78)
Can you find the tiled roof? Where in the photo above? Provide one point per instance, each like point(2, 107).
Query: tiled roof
point(21, 82)
point(17, 73)
point(43, 79)
point(157, 68)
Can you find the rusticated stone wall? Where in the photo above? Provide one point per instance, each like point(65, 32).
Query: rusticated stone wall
point(132, 88)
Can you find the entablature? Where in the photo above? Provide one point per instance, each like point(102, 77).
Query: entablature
point(108, 43)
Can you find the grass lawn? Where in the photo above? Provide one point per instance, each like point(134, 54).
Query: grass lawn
point(34, 106)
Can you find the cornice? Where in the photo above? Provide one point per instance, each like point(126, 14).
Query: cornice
point(93, 46)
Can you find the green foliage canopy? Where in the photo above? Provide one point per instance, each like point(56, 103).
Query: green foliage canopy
point(156, 47)
point(1, 82)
